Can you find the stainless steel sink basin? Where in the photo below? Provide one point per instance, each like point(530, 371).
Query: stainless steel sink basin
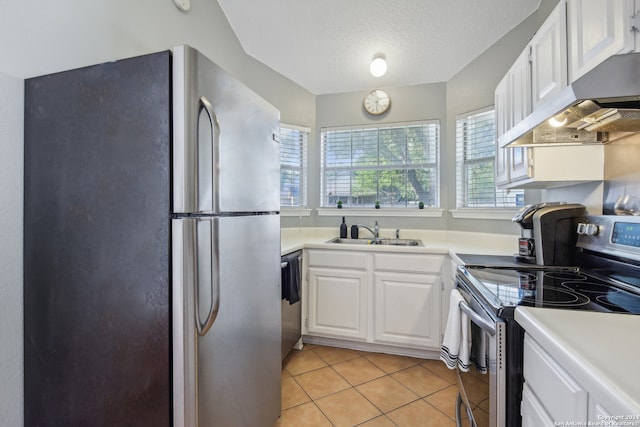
point(400, 242)
point(351, 241)
point(380, 241)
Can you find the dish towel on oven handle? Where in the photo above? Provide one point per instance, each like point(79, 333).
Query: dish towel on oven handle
point(455, 344)
point(479, 354)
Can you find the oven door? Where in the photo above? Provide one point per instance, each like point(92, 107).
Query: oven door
point(481, 396)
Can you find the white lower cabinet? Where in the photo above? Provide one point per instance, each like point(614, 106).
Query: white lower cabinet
point(566, 393)
point(375, 297)
point(597, 413)
point(550, 395)
point(533, 413)
point(337, 293)
point(406, 309)
point(338, 302)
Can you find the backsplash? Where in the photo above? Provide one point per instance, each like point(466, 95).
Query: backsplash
point(621, 170)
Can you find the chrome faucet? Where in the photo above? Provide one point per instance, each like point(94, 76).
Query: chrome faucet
point(375, 231)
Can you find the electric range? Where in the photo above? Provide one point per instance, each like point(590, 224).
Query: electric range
point(504, 288)
point(606, 279)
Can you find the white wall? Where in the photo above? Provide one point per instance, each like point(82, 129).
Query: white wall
point(11, 190)
point(408, 103)
point(621, 170)
point(48, 36)
point(472, 88)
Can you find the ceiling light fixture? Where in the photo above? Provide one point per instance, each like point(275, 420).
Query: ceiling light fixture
point(378, 66)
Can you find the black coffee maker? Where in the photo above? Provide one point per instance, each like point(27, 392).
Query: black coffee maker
point(549, 233)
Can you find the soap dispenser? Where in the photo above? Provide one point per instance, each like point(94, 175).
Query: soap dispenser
point(343, 229)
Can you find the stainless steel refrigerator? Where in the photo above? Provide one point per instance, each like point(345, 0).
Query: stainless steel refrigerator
point(151, 246)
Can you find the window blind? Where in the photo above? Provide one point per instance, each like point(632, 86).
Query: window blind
point(475, 163)
point(293, 166)
point(396, 165)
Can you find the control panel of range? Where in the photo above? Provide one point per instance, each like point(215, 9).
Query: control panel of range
point(626, 233)
point(611, 234)
point(587, 229)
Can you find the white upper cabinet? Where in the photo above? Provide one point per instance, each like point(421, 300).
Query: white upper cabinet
point(520, 84)
point(520, 102)
point(597, 29)
point(549, 56)
point(512, 104)
point(503, 122)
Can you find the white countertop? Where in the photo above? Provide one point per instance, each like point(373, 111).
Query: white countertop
point(435, 241)
point(599, 350)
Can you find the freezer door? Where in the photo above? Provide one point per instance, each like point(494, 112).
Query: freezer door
point(97, 343)
point(226, 372)
point(226, 152)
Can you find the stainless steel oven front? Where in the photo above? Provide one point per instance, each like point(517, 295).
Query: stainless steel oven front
point(481, 396)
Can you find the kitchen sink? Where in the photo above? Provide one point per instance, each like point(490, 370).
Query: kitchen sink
point(380, 241)
point(400, 242)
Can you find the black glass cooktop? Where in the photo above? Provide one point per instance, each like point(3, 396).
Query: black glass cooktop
point(505, 288)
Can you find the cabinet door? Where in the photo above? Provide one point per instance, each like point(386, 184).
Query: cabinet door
point(520, 87)
point(337, 304)
point(597, 29)
point(502, 166)
point(549, 56)
point(520, 104)
point(407, 309)
point(503, 123)
point(560, 395)
point(597, 413)
point(532, 411)
point(519, 163)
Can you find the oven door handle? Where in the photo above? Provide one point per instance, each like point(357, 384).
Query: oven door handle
point(475, 318)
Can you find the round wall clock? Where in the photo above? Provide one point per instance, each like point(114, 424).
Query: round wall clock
point(377, 102)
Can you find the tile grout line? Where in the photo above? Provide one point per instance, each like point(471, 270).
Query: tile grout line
point(386, 374)
point(362, 355)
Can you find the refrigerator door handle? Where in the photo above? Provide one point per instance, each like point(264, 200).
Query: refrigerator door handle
point(208, 171)
point(208, 272)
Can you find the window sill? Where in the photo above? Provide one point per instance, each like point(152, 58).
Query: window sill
point(382, 212)
point(295, 212)
point(474, 213)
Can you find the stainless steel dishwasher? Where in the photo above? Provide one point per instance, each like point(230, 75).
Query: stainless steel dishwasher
point(291, 268)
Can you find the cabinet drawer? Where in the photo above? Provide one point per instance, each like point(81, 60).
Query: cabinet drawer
point(414, 263)
point(533, 413)
point(562, 398)
point(337, 259)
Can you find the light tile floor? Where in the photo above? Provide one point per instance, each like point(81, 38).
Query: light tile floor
point(328, 386)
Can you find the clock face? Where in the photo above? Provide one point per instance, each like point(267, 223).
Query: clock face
point(377, 102)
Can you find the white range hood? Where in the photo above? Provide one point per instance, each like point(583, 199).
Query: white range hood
point(606, 99)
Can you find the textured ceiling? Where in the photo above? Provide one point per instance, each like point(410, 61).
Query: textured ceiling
point(326, 46)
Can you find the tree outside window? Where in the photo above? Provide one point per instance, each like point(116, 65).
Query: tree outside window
point(396, 165)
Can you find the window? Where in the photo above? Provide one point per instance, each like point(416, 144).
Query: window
point(396, 165)
point(293, 165)
point(475, 158)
